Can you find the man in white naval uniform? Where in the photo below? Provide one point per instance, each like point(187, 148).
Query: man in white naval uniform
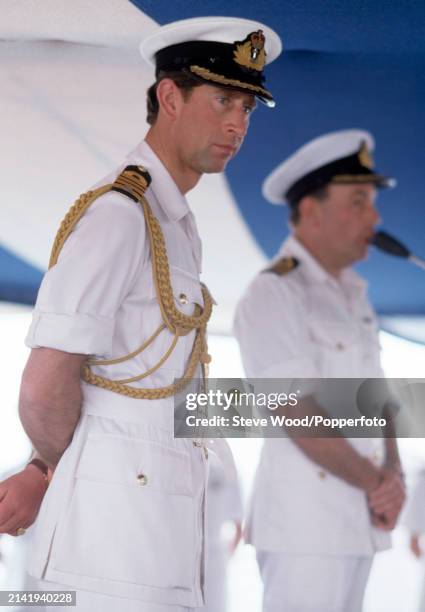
point(122, 307)
point(320, 507)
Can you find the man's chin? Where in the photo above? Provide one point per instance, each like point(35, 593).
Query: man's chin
point(215, 166)
point(362, 253)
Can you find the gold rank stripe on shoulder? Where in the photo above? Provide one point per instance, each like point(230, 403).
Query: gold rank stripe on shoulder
point(132, 182)
point(283, 266)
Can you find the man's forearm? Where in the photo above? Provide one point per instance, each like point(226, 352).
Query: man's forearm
point(50, 428)
point(335, 453)
point(50, 401)
point(392, 457)
point(338, 457)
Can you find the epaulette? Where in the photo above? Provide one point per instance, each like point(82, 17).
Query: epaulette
point(283, 266)
point(132, 182)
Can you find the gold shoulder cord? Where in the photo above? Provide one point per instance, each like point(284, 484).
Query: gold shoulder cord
point(133, 182)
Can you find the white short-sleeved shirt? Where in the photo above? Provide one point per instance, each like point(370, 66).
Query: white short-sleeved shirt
point(124, 512)
point(307, 324)
point(99, 299)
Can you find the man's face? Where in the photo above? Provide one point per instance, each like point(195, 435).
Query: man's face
point(211, 126)
point(346, 222)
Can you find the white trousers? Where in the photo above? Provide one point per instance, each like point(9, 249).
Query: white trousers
point(313, 583)
point(89, 601)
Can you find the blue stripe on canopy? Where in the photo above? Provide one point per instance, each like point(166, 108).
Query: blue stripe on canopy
point(19, 281)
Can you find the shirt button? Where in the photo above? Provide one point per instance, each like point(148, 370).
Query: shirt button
point(142, 479)
point(183, 298)
point(200, 444)
point(322, 475)
point(340, 346)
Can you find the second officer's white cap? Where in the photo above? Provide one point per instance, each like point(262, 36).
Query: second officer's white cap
point(341, 157)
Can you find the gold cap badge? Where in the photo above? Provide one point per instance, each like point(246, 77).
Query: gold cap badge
point(250, 52)
point(365, 157)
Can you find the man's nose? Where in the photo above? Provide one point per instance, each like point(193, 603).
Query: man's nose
point(373, 217)
point(238, 123)
point(376, 217)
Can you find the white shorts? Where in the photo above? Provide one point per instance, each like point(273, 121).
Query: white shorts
point(313, 583)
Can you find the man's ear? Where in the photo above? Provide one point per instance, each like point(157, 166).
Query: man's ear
point(169, 98)
point(310, 210)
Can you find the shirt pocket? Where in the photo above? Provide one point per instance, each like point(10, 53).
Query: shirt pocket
point(369, 332)
point(187, 290)
point(131, 516)
point(337, 348)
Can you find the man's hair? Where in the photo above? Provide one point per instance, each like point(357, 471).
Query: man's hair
point(182, 80)
point(320, 194)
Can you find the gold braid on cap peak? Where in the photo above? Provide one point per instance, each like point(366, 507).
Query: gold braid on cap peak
point(133, 182)
point(206, 74)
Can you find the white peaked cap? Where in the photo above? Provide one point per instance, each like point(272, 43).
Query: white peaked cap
point(318, 154)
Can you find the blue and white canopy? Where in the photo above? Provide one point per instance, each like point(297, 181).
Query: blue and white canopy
point(72, 104)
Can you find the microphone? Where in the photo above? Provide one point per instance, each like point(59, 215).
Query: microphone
point(387, 243)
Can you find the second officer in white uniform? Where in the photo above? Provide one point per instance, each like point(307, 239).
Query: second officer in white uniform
point(320, 507)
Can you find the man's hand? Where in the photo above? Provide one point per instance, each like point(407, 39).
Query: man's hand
point(386, 501)
point(415, 546)
point(20, 499)
point(236, 538)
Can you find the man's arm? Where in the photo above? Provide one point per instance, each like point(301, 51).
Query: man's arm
point(50, 401)
point(384, 486)
point(388, 499)
point(415, 545)
point(49, 407)
point(334, 453)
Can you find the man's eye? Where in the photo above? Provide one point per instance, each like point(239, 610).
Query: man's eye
point(223, 99)
point(248, 110)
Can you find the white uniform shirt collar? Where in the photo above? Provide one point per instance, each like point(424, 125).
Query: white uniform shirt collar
point(168, 195)
point(293, 247)
point(171, 200)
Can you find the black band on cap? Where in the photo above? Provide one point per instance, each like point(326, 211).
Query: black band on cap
point(216, 56)
point(349, 166)
point(218, 63)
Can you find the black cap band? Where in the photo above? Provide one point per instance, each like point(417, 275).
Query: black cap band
point(213, 62)
point(344, 170)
